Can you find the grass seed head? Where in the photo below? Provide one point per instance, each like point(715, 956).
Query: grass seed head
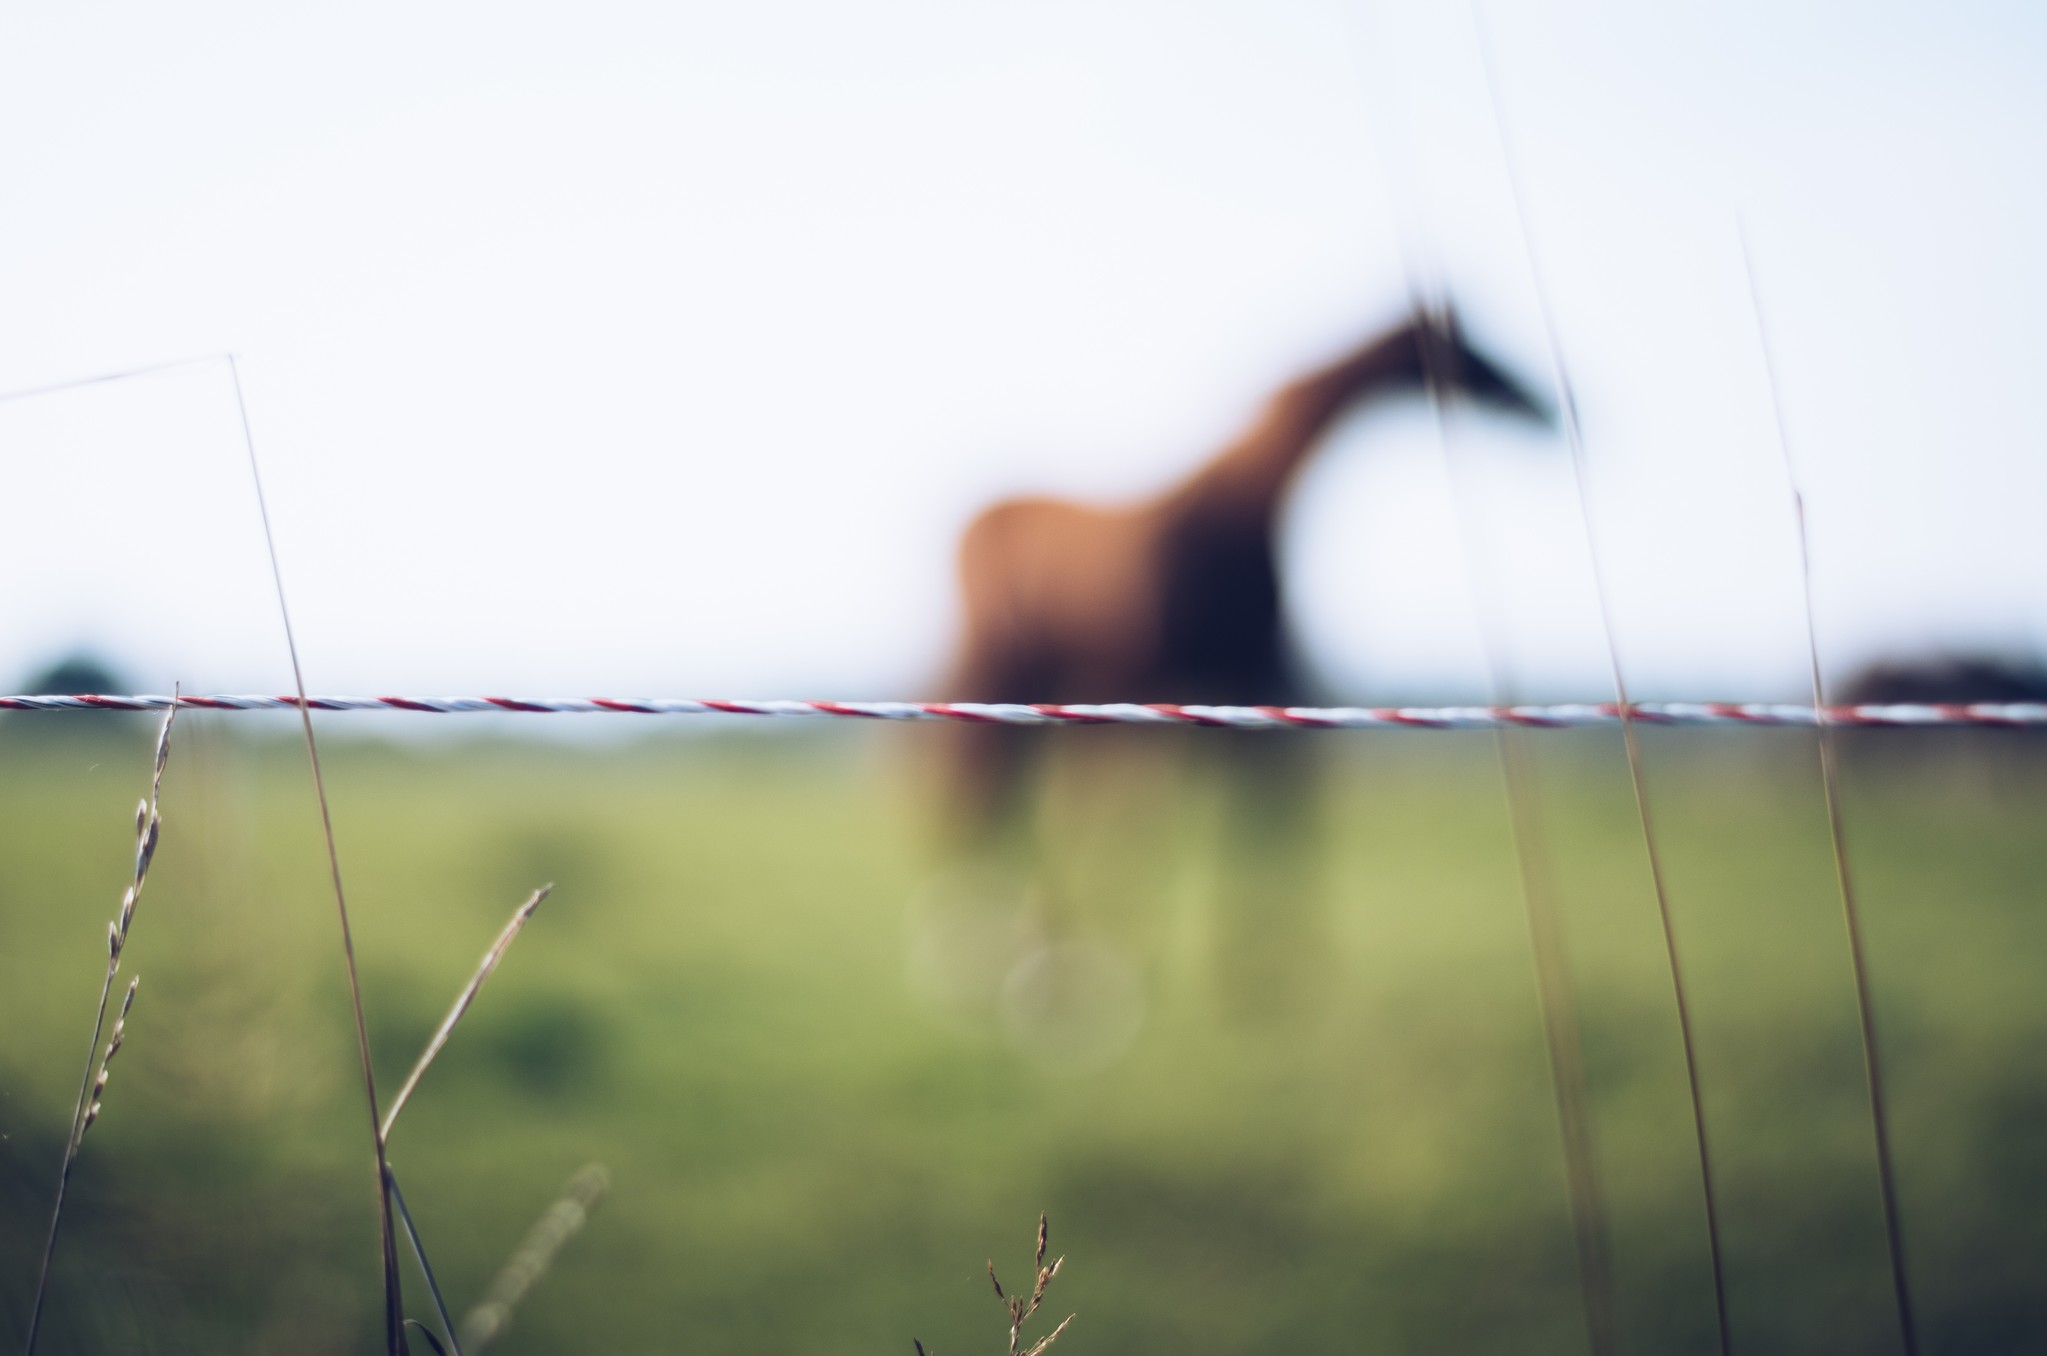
point(145, 846)
point(99, 1083)
point(163, 741)
point(1038, 1348)
point(148, 831)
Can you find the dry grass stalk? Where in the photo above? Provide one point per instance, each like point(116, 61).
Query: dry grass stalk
point(1021, 1308)
point(394, 1196)
point(148, 831)
point(484, 968)
point(535, 1254)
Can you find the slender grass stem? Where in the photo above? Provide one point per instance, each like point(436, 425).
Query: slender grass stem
point(1574, 437)
point(101, 378)
point(1555, 996)
point(394, 1300)
point(71, 1138)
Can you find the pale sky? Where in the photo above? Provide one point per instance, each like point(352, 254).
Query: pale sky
point(665, 349)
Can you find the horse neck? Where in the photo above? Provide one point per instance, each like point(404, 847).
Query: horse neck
point(1246, 481)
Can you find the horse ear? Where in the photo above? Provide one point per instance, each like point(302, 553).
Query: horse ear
point(1437, 316)
point(1436, 326)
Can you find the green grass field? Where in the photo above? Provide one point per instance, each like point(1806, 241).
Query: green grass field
point(1331, 1130)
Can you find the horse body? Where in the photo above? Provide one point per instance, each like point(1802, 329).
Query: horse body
point(1177, 598)
point(1070, 602)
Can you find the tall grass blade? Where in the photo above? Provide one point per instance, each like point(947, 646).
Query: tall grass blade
point(1837, 835)
point(1574, 437)
point(426, 1268)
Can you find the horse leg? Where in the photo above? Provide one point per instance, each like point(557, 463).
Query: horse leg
point(1271, 934)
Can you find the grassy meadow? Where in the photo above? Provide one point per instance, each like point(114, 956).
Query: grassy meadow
point(1278, 1093)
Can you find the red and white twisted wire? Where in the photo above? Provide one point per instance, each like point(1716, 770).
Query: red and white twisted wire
point(1556, 716)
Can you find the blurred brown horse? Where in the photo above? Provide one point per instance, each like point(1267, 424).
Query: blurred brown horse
point(1175, 599)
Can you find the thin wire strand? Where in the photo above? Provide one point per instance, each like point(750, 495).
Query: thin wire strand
point(1567, 412)
point(1554, 716)
point(1879, 1120)
point(394, 1331)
